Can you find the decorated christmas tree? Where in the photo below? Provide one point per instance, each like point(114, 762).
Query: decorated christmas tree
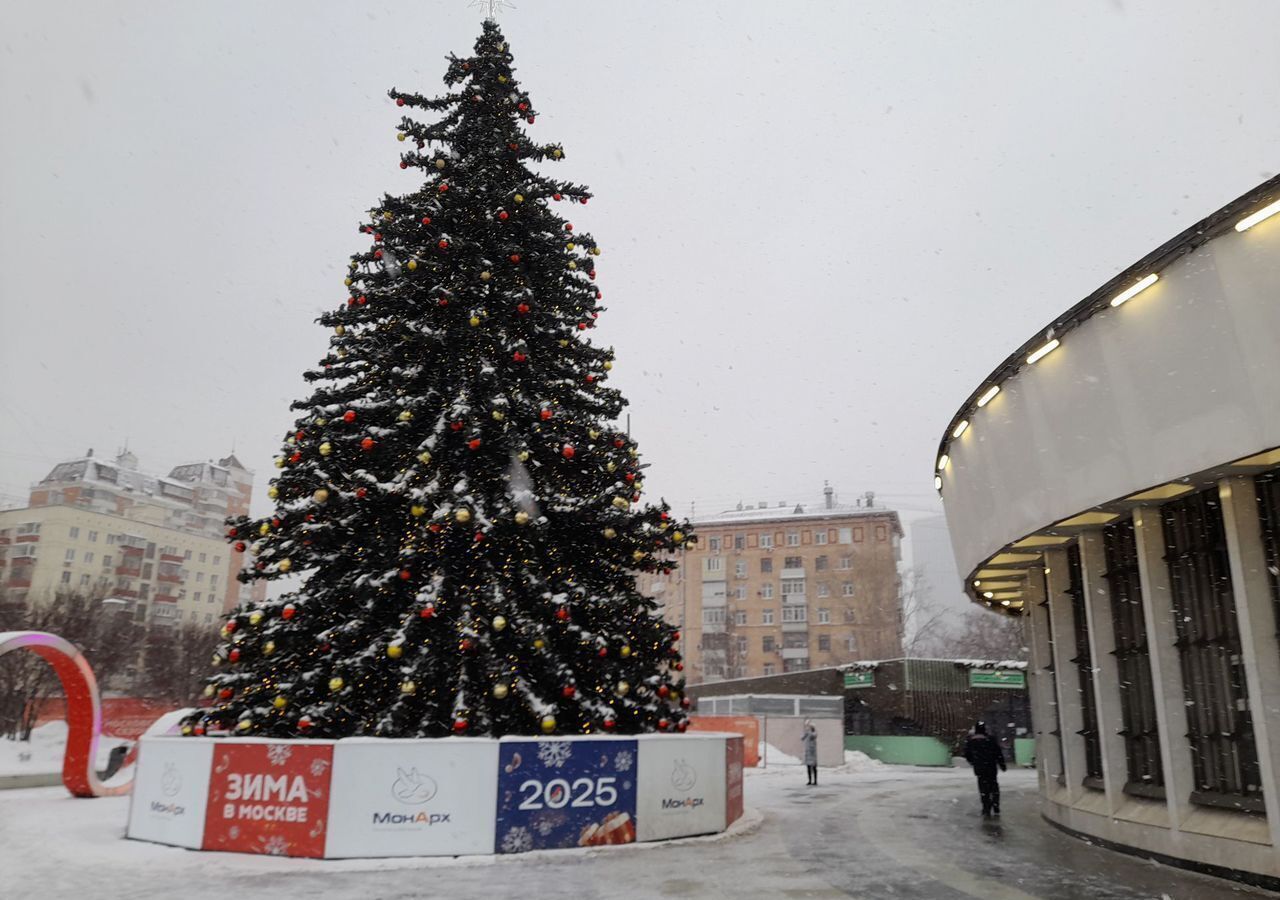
point(456, 493)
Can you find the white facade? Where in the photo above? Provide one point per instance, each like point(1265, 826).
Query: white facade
point(1122, 491)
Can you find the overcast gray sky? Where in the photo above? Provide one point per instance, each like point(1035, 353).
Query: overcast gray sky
point(823, 223)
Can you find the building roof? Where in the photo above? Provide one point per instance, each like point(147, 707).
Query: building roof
point(798, 512)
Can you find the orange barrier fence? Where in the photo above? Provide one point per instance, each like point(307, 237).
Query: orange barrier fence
point(747, 726)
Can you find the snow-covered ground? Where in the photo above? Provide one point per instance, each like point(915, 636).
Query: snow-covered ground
point(43, 753)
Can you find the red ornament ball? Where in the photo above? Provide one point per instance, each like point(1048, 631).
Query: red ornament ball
point(231, 627)
point(377, 254)
point(663, 724)
point(427, 611)
point(568, 691)
point(555, 196)
point(664, 691)
point(518, 356)
point(426, 220)
point(225, 694)
point(479, 536)
point(562, 614)
point(631, 476)
point(522, 308)
point(684, 703)
point(403, 164)
point(545, 414)
point(591, 379)
point(275, 523)
point(443, 244)
point(443, 188)
point(515, 257)
point(399, 102)
point(522, 106)
point(679, 667)
point(568, 226)
point(234, 655)
point(582, 326)
point(474, 443)
point(456, 426)
point(683, 726)
point(289, 611)
point(198, 730)
point(604, 651)
point(466, 644)
point(583, 201)
point(459, 725)
point(362, 299)
point(295, 456)
point(405, 574)
point(503, 216)
point(567, 451)
point(617, 442)
point(305, 723)
point(675, 635)
point(231, 532)
point(240, 546)
point(608, 724)
point(367, 444)
point(530, 120)
point(362, 493)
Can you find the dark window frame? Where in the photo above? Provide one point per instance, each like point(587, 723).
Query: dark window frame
point(1083, 662)
point(1268, 492)
point(1140, 724)
point(1224, 754)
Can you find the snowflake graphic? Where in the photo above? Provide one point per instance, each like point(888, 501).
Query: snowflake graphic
point(517, 840)
point(554, 753)
point(545, 826)
point(279, 754)
point(622, 760)
point(275, 845)
point(318, 766)
point(233, 832)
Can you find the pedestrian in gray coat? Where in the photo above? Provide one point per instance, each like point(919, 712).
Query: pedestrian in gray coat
point(809, 741)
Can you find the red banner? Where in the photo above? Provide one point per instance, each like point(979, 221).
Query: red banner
point(269, 798)
point(732, 780)
point(747, 726)
point(122, 717)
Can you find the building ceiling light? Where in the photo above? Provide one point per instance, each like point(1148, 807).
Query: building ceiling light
point(1265, 213)
point(960, 428)
point(1043, 351)
point(1041, 540)
point(1003, 585)
point(937, 482)
point(988, 395)
point(1000, 573)
point(1163, 492)
point(943, 462)
point(1013, 559)
point(1268, 458)
point(1135, 290)
point(1093, 517)
point(988, 594)
point(1006, 596)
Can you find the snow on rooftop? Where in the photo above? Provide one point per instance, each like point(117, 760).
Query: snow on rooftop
point(791, 511)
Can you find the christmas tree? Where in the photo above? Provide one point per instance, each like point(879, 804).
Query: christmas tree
point(454, 491)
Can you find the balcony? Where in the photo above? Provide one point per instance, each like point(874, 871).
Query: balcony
point(171, 557)
point(129, 572)
point(19, 581)
point(794, 626)
point(793, 573)
point(169, 578)
point(795, 652)
point(713, 627)
point(165, 598)
point(793, 599)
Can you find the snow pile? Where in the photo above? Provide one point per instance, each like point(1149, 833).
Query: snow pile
point(856, 761)
point(42, 755)
point(776, 757)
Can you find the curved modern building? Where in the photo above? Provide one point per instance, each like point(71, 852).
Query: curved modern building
point(1116, 482)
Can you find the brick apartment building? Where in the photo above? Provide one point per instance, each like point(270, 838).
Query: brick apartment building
point(102, 527)
point(786, 588)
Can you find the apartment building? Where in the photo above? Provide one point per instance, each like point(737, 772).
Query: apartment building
point(786, 588)
point(103, 527)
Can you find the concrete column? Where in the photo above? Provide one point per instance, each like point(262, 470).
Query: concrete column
point(1070, 715)
point(1255, 612)
point(1043, 693)
point(1106, 675)
point(1166, 668)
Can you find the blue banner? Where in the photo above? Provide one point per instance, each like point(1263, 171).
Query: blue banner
point(577, 793)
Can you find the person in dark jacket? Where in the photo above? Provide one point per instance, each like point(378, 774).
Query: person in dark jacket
point(984, 754)
point(809, 741)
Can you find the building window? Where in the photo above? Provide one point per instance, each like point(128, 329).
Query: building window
point(200, 576)
point(820, 564)
point(766, 617)
point(824, 643)
point(213, 581)
point(111, 539)
point(792, 587)
point(769, 669)
point(851, 643)
point(824, 616)
point(766, 541)
point(793, 539)
point(84, 580)
point(211, 597)
point(66, 577)
point(1269, 512)
point(713, 544)
point(75, 532)
point(845, 535)
point(88, 556)
point(740, 542)
point(846, 562)
point(29, 528)
point(93, 536)
point(766, 590)
point(70, 555)
point(217, 560)
point(740, 593)
point(740, 569)
point(767, 643)
point(850, 616)
point(820, 536)
point(766, 566)
point(797, 613)
point(106, 561)
point(1084, 670)
point(792, 562)
point(846, 589)
point(208, 617)
point(824, 590)
point(715, 564)
point(794, 665)
point(197, 597)
point(713, 615)
point(740, 617)
point(187, 555)
point(202, 557)
point(1140, 729)
point(1224, 758)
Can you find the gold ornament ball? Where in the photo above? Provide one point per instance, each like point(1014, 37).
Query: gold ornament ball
point(594, 434)
point(321, 495)
point(401, 136)
point(625, 651)
point(348, 282)
point(340, 330)
point(463, 515)
point(564, 342)
point(208, 690)
point(278, 462)
point(475, 321)
point(569, 246)
point(522, 518)
point(408, 687)
point(268, 648)
point(519, 198)
point(406, 415)
point(326, 448)
point(678, 537)
point(486, 275)
point(336, 683)
point(500, 691)
point(610, 534)
point(273, 492)
point(595, 251)
point(321, 422)
point(186, 730)
point(572, 264)
point(548, 724)
point(440, 163)
point(502, 79)
point(386, 215)
point(284, 565)
point(621, 502)
point(612, 466)
point(413, 264)
point(608, 365)
point(395, 651)
point(499, 623)
point(255, 617)
point(539, 643)
point(418, 511)
point(524, 456)
point(638, 555)
point(217, 660)
point(244, 725)
point(424, 457)
point(280, 702)
point(498, 415)
point(557, 153)
point(622, 689)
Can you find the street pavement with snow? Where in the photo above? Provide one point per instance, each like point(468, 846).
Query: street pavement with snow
point(874, 832)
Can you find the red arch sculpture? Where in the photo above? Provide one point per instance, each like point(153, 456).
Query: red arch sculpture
point(84, 711)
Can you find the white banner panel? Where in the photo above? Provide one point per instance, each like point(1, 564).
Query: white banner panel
point(681, 786)
point(170, 790)
point(412, 797)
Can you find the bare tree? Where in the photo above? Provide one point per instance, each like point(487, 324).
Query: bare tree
point(989, 635)
point(174, 667)
point(924, 618)
point(108, 639)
